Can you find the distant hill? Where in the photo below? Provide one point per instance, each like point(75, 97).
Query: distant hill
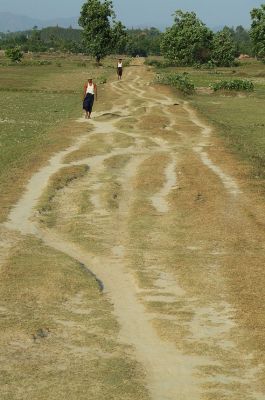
point(13, 22)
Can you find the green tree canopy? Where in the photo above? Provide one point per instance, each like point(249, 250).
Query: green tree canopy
point(143, 42)
point(257, 31)
point(101, 32)
point(224, 49)
point(242, 40)
point(188, 41)
point(119, 37)
point(95, 20)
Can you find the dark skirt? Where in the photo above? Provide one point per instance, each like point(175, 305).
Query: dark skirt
point(88, 102)
point(119, 71)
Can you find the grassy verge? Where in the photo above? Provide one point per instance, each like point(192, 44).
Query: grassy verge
point(239, 119)
point(241, 123)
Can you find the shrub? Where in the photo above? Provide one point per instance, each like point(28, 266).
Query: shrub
point(15, 54)
point(235, 84)
point(181, 82)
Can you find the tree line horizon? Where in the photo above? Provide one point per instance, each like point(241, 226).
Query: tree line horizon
point(187, 42)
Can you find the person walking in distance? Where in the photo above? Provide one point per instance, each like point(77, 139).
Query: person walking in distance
point(119, 69)
point(90, 93)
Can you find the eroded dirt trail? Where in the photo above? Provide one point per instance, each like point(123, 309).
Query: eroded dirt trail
point(161, 224)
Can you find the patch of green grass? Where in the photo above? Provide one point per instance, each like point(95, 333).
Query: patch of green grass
point(28, 122)
point(203, 77)
point(239, 120)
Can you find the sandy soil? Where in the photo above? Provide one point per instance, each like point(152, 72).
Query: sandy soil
point(169, 233)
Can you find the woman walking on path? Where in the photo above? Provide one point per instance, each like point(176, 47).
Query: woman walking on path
point(90, 92)
point(119, 69)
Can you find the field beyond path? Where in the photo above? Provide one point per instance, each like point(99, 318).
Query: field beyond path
point(132, 267)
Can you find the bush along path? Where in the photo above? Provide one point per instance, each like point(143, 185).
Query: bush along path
point(172, 234)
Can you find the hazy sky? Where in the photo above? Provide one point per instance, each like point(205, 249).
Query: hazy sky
point(142, 12)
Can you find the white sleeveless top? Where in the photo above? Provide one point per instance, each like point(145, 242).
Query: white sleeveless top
point(90, 89)
point(119, 64)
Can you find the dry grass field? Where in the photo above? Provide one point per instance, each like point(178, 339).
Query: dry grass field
point(132, 263)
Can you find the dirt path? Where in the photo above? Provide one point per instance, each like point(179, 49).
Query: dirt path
point(166, 223)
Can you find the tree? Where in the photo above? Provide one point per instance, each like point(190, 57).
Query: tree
point(119, 37)
point(242, 40)
point(188, 41)
point(15, 54)
point(224, 49)
point(143, 42)
point(257, 31)
point(95, 19)
point(35, 43)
